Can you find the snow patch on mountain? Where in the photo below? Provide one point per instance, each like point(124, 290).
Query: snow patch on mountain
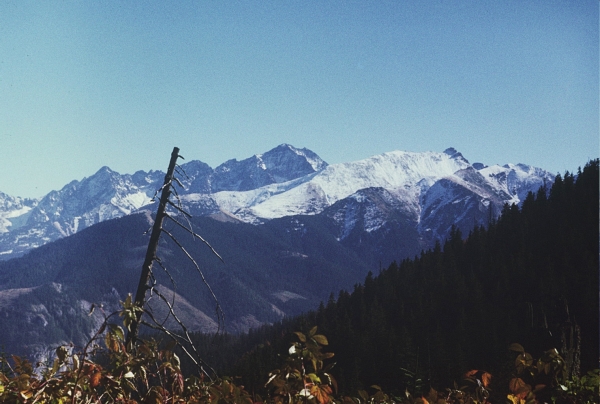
point(285, 181)
point(14, 218)
point(131, 202)
point(370, 209)
point(393, 171)
point(286, 295)
point(516, 180)
point(14, 211)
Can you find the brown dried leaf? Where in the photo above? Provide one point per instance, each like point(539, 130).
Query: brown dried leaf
point(486, 378)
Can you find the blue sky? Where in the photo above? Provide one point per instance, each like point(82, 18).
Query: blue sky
point(120, 83)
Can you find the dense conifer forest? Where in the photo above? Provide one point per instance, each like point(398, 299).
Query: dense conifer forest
point(531, 277)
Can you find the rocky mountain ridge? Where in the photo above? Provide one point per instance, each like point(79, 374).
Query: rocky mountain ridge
point(284, 181)
point(28, 223)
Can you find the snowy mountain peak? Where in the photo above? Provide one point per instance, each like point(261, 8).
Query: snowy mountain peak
point(14, 211)
point(453, 153)
point(283, 181)
point(516, 179)
point(311, 157)
point(396, 171)
point(105, 169)
point(281, 164)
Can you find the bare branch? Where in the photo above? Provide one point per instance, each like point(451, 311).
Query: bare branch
point(159, 262)
point(159, 190)
point(189, 230)
point(174, 337)
point(178, 182)
point(180, 170)
point(219, 311)
point(186, 214)
point(147, 231)
point(154, 291)
point(179, 209)
point(178, 338)
point(172, 312)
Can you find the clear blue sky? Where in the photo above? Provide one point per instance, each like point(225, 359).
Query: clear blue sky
point(85, 84)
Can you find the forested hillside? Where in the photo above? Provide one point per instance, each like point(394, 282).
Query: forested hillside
point(531, 278)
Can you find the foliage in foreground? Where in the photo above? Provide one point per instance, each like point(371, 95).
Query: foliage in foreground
point(148, 373)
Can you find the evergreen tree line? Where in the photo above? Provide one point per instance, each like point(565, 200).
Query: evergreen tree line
point(530, 277)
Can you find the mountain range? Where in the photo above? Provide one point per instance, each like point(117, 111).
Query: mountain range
point(428, 189)
point(291, 229)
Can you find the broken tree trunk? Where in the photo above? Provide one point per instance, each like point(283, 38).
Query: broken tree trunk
point(140, 295)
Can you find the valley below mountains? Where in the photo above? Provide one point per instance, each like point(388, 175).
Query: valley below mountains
point(291, 229)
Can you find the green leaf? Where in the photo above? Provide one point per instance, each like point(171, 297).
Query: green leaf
point(117, 332)
point(517, 348)
point(61, 353)
point(312, 331)
point(523, 361)
point(301, 336)
point(314, 378)
point(55, 366)
point(540, 366)
point(321, 339)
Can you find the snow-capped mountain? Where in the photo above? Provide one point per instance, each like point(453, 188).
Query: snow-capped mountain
point(283, 163)
point(403, 173)
point(79, 204)
point(431, 190)
point(14, 211)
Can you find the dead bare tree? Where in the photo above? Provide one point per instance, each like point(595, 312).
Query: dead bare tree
point(147, 281)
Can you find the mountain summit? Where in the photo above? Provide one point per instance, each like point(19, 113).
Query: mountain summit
point(281, 164)
point(432, 190)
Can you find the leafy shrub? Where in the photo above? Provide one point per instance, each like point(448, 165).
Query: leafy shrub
point(108, 371)
point(547, 380)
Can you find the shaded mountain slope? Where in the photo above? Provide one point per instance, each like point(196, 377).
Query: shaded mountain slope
point(281, 268)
